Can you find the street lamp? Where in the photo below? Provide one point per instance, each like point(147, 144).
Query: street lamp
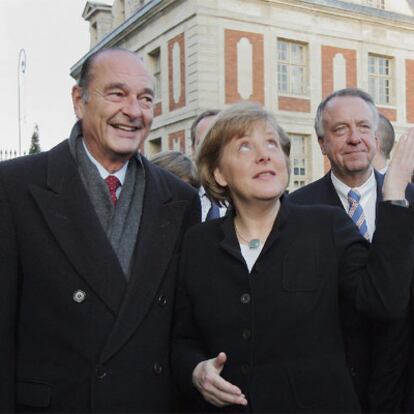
point(21, 68)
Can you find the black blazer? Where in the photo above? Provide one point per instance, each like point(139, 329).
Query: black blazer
point(376, 353)
point(109, 350)
point(280, 325)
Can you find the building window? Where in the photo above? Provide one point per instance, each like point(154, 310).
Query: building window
point(291, 67)
point(155, 63)
point(379, 4)
point(299, 159)
point(154, 146)
point(380, 79)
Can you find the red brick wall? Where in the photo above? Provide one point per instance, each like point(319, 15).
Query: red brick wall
point(409, 91)
point(231, 38)
point(390, 114)
point(174, 137)
point(328, 54)
point(181, 102)
point(158, 109)
point(294, 104)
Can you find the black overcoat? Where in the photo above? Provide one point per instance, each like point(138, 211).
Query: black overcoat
point(74, 335)
point(280, 325)
point(377, 353)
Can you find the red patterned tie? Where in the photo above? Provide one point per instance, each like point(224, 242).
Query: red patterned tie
point(113, 183)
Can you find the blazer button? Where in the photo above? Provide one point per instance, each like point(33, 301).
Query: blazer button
point(79, 296)
point(245, 298)
point(353, 371)
point(246, 334)
point(245, 369)
point(100, 372)
point(157, 368)
point(162, 301)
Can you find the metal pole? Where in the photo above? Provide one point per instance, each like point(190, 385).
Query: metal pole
point(20, 68)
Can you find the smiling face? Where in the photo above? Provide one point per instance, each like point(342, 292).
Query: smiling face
point(253, 167)
point(117, 114)
point(349, 140)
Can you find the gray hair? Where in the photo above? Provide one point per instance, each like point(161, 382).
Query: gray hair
point(352, 92)
point(386, 136)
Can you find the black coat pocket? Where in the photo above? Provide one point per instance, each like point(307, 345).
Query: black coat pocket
point(33, 394)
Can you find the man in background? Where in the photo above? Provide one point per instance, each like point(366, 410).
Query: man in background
point(346, 123)
point(209, 209)
point(385, 142)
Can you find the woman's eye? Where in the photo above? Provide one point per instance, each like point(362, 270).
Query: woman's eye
point(272, 144)
point(244, 147)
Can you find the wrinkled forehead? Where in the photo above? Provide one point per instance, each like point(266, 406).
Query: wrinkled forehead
point(120, 66)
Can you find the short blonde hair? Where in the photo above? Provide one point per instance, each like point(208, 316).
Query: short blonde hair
point(233, 122)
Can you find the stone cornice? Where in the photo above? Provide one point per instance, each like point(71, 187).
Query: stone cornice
point(138, 19)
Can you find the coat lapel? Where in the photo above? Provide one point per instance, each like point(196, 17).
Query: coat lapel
point(329, 194)
point(71, 218)
point(161, 226)
point(230, 242)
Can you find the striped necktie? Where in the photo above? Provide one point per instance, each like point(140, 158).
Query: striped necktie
point(213, 212)
point(357, 213)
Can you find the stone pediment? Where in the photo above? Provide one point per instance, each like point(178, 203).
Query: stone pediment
point(92, 7)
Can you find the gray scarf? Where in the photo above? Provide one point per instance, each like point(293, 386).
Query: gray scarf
point(120, 223)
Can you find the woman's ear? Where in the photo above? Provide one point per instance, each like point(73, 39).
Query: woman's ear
point(218, 176)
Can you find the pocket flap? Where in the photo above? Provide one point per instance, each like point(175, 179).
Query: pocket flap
point(34, 394)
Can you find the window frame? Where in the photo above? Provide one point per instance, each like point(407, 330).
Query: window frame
point(299, 180)
point(381, 85)
point(290, 65)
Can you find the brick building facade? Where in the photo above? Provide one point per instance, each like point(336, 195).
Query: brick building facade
point(285, 54)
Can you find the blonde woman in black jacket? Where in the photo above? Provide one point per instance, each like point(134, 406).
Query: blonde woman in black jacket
point(257, 326)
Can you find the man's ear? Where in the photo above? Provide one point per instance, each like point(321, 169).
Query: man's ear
point(321, 143)
point(77, 101)
point(218, 176)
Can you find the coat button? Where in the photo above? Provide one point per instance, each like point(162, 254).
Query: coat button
point(157, 368)
point(79, 296)
point(162, 301)
point(246, 334)
point(245, 369)
point(353, 371)
point(245, 298)
point(101, 372)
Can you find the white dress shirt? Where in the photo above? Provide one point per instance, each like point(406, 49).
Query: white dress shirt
point(368, 201)
point(103, 172)
point(206, 204)
point(383, 170)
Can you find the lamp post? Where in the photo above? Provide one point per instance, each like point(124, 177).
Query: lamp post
point(21, 68)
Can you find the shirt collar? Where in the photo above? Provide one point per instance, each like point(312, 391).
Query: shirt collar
point(103, 172)
point(364, 190)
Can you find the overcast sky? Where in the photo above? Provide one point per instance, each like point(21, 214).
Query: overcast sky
point(54, 36)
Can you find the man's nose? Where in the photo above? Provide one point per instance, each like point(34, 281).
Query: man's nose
point(354, 136)
point(132, 108)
